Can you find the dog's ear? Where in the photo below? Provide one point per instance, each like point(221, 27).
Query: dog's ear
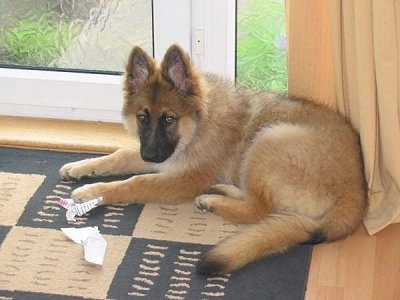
point(177, 69)
point(140, 67)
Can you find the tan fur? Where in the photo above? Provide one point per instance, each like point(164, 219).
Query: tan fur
point(289, 167)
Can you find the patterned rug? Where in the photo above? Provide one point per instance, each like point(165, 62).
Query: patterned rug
point(151, 253)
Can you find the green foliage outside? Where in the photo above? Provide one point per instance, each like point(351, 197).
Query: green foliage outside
point(261, 45)
point(36, 43)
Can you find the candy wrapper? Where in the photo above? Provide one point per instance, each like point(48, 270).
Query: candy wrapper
point(94, 245)
point(78, 209)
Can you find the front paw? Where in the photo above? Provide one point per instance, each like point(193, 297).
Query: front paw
point(78, 169)
point(89, 192)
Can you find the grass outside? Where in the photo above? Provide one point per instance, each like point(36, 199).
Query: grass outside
point(36, 43)
point(261, 45)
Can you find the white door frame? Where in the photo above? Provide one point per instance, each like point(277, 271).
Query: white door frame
point(98, 97)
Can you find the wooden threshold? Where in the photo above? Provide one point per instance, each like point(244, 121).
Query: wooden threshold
point(62, 135)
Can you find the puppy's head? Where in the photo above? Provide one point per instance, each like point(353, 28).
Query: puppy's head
point(163, 105)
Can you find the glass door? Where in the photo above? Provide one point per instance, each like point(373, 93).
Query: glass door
point(88, 35)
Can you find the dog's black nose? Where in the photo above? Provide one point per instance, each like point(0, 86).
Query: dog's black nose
point(156, 152)
point(151, 155)
point(151, 158)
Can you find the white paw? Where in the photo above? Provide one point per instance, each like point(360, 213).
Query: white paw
point(204, 203)
point(75, 170)
point(87, 192)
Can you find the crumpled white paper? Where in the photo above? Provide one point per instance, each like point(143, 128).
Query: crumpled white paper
point(78, 209)
point(94, 245)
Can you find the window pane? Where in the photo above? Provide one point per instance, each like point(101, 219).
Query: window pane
point(94, 35)
point(261, 44)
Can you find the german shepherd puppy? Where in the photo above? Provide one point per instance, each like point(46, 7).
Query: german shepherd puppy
point(290, 168)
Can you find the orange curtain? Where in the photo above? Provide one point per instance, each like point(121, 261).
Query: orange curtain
point(310, 66)
point(345, 54)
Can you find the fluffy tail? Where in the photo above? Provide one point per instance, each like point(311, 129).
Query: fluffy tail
point(276, 233)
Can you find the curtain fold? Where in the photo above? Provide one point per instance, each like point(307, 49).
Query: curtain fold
point(364, 39)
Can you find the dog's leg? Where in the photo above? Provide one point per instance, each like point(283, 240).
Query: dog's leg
point(225, 190)
point(233, 210)
point(160, 187)
point(122, 161)
point(233, 205)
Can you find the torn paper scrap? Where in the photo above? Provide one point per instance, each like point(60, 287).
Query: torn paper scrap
point(94, 245)
point(78, 209)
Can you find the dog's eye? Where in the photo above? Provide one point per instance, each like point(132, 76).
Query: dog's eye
point(169, 120)
point(141, 118)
